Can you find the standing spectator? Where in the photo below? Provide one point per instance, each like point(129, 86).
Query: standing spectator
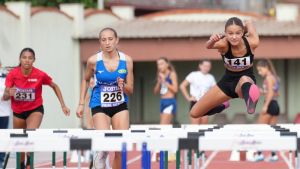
point(5, 108)
point(167, 87)
point(200, 82)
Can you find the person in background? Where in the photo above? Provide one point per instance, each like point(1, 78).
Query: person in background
point(88, 115)
point(5, 108)
point(200, 82)
point(23, 85)
point(113, 73)
point(167, 86)
point(270, 110)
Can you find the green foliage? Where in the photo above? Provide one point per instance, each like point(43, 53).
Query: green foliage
point(55, 3)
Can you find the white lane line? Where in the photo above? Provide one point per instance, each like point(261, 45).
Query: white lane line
point(133, 159)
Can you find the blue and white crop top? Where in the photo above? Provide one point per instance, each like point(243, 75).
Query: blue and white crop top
point(106, 92)
point(164, 87)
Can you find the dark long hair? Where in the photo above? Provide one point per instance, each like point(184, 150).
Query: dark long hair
point(26, 50)
point(235, 21)
point(268, 64)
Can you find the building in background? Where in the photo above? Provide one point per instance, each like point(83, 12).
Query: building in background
point(150, 6)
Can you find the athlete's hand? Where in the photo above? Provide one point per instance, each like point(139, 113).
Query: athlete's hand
point(161, 77)
point(12, 91)
point(121, 83)
point(79, 111)
point(216, 37)
point(192, 99)
point(66, 110)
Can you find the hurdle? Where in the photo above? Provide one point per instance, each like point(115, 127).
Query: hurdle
point(152, 138)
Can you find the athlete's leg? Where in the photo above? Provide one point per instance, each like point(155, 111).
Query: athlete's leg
point(214, 97)
point(120, 121)
point(34, 120)
point(218, 109)
point(101, 121)
point(204, 120)
point(166, 118)
point(273, 156)
point(19, 123)
point(195, 120)
point(264, 118)
point(273, 120)
point(247, 89)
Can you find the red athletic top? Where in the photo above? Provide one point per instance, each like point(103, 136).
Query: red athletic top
point(29, 88)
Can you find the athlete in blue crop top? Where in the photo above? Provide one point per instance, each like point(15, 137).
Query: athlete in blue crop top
point(113, 73)
point(167, 87)
point(237, 53)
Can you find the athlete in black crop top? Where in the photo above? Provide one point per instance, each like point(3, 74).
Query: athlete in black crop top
point(237, 63)
point(237, 54)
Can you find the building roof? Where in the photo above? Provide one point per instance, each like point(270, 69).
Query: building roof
point(3, 8)
point(36, 10)
point(201, 14)
point(144, 28)
point(92, 11)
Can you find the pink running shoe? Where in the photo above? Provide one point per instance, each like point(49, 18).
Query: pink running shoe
point(226, 104)
point(253, 98)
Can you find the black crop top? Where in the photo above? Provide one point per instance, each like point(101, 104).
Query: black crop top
point(238, 62)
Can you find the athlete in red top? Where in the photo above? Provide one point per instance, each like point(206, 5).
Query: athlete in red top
point(28, 90)
point(24, 87)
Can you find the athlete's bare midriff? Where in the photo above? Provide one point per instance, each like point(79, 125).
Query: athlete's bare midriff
point(237, 70)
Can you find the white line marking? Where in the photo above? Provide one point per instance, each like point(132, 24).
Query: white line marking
point(134, 159)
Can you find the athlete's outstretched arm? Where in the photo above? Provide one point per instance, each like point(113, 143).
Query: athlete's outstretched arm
point(84, 84)
point(57, 91)
point(252, 37)
point(128, 85)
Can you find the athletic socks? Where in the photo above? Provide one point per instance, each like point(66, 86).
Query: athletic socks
point(218, 109)
point(251, 95)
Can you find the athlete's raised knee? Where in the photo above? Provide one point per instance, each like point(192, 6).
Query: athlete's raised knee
point(194, 114)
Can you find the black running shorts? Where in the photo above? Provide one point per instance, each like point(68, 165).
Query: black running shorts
point(230, 80)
